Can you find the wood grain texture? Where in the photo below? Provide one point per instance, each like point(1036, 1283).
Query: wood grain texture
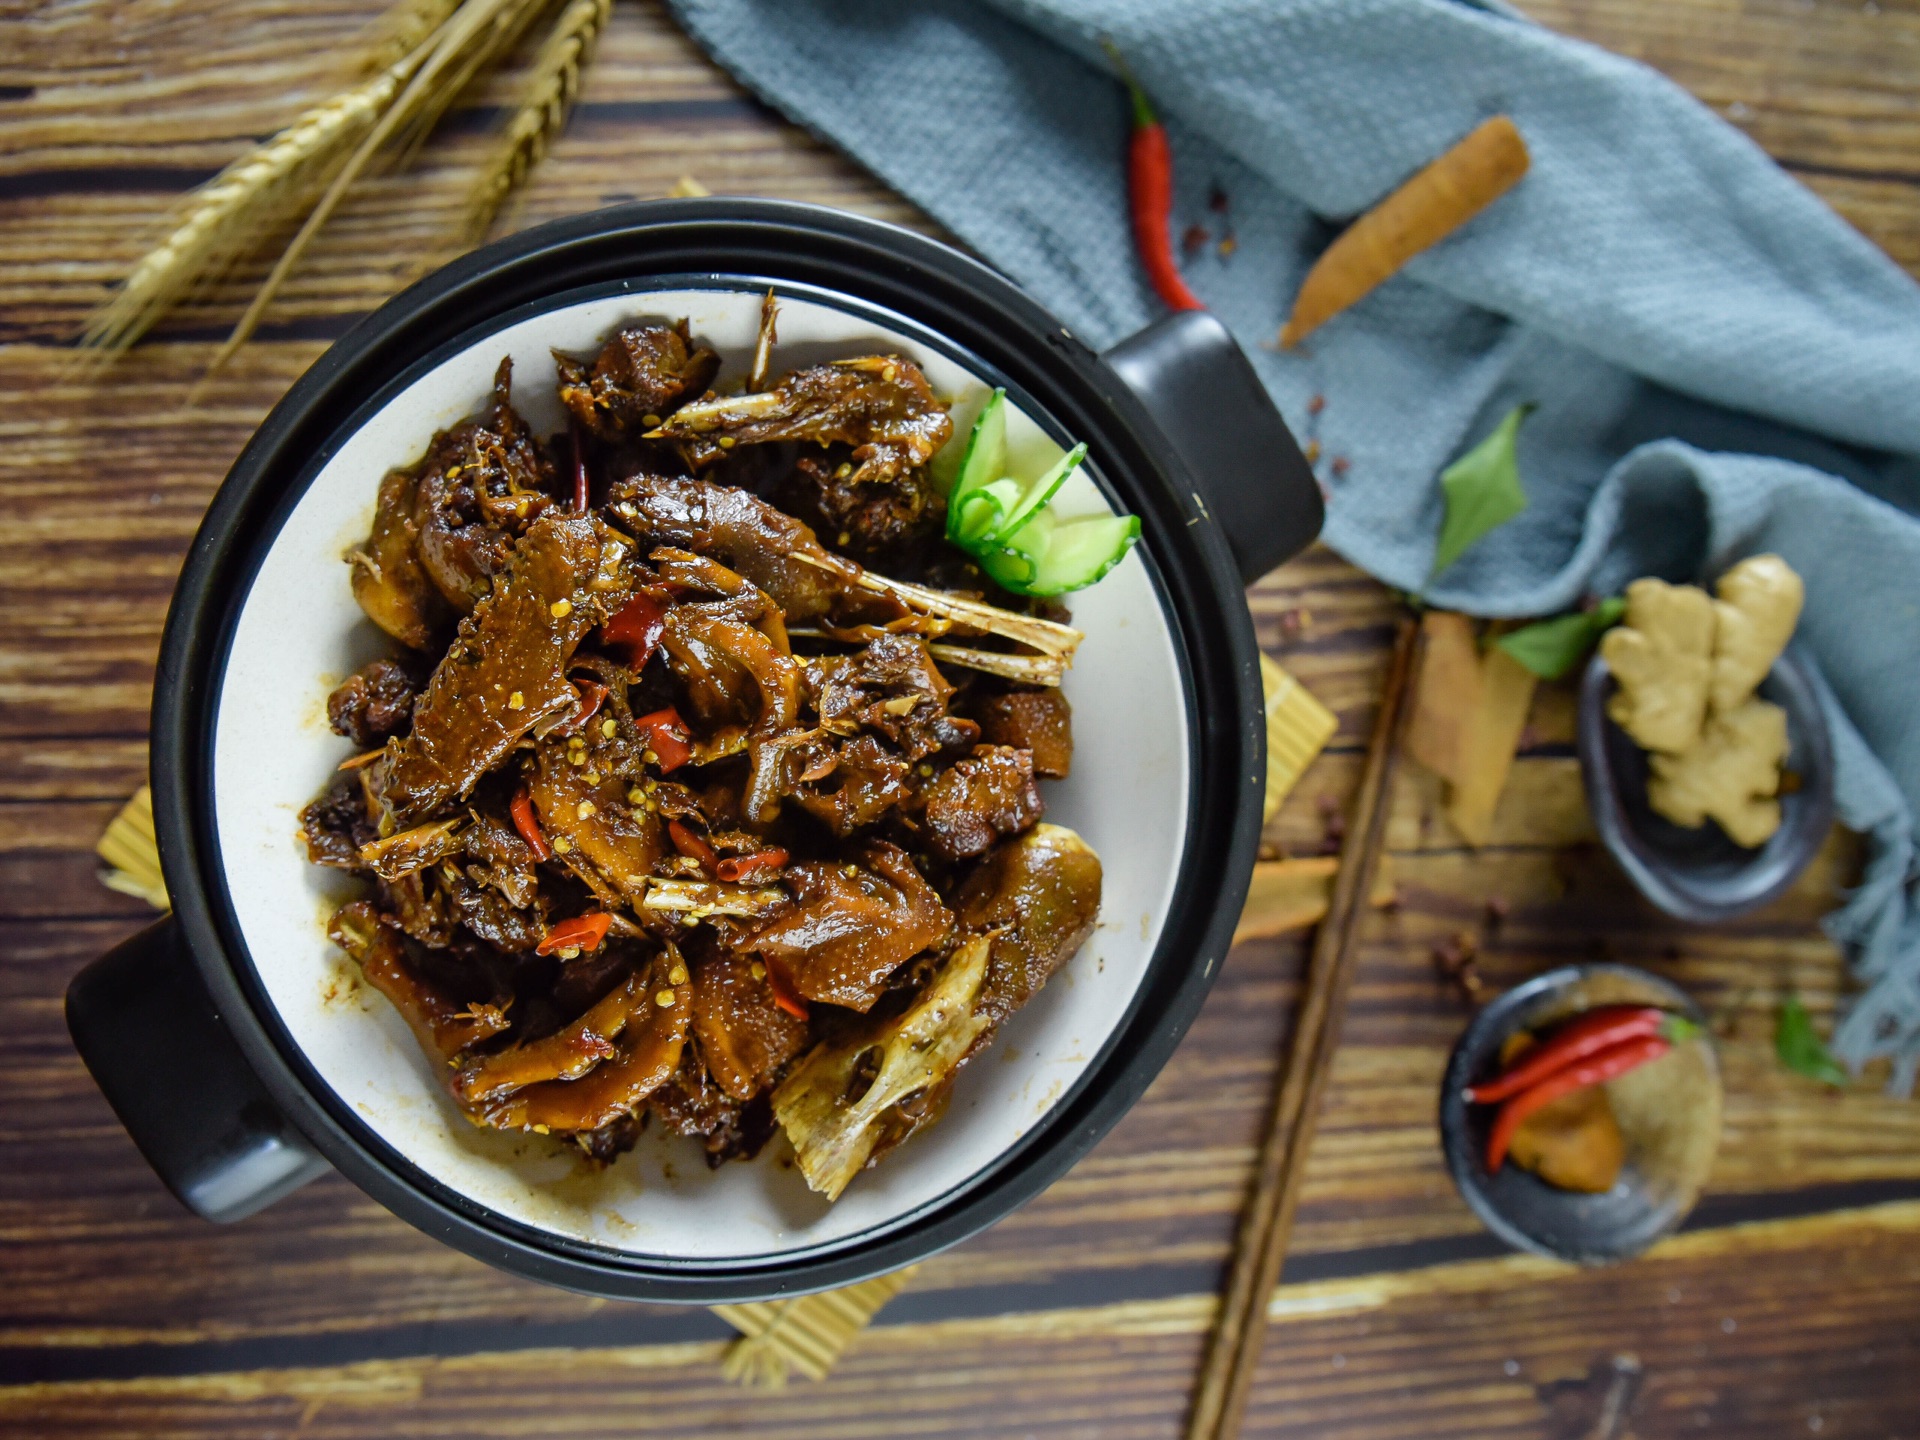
point(124, 1316)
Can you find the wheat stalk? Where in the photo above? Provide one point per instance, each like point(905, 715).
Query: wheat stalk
point(251, 196)
point(478, 33)
point(549, 93)
point(403, 29)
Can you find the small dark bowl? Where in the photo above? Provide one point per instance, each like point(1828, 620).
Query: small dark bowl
point(1669, 1112)
point(1701, 875)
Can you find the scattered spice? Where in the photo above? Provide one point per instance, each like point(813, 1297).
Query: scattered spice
point(1316, 404)
point(1431, 205)
point(1341, 465)
point(1194, 239)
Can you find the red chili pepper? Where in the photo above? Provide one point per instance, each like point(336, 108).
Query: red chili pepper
point(691, 845)
point(1586, 1034)
point(527, 825)
point(784, 995)
point(582, 932)
point(592, 693)
point(637, 627)
point(580, 495)
point(761, 865)
point(667, 737)
point(1594, 1070)
point(1150, 196)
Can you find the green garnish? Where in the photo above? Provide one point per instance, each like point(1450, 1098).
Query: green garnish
point(1550, 648)
point(1482, 489)
point(1008, 524)
point(1800, 1049)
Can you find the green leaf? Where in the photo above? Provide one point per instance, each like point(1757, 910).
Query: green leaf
point(1483, 490)
point(1799, 1048)
point(1550, 648)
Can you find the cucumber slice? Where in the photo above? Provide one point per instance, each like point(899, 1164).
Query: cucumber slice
point(1050, 557)
point(1036, 495)
point(985, 460)
point(979, 513)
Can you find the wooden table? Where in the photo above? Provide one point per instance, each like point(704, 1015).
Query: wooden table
point(1791, 1305)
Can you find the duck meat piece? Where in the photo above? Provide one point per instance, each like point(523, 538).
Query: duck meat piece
point(482, 483)
point(743, 1036)
point(566, 1054)
point(1039, 721)
point(419, 910)
point(506, 671)
point(976, 800)
point(1036, 898)
point(647, 1055)
point(487, 912)
point(445, 1028)
point(1023, 914)
point(852, 926)
point(742, 532)
point(850, 785)
point(338, 824)
point(843, 1103)
point(406, 851)
point(879, 404)
point(891, 686)
point(691, 1104)
point(882, 525)
point(643, 373)
point(389, 582)
point(733, 675)
point(373, 703)
point(607, 1144)
point(587, 817)
point(500, 858)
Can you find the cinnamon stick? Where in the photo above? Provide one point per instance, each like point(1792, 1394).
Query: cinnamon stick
point(1220, 1401)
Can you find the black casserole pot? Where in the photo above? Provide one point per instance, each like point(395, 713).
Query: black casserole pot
point(177, 1025)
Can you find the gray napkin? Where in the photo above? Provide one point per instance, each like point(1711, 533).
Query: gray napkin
point(1721, 365)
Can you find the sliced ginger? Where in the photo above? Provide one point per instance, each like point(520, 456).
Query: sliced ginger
point(1732, 775)
point(1759, 605)
point(1662, 655)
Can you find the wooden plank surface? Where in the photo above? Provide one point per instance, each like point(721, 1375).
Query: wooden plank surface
point(1081, 1314)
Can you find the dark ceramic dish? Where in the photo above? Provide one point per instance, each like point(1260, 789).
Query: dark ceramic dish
point(1700, 875)
point(1669, 1111)
point(179, 1025)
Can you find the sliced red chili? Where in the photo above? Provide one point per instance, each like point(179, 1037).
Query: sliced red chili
point(750, 869)
point(527, 824)
point(637, 626)
point(784, 995)
point(582, 932)
point(1586, 1034)
point(1594, 1070)
point(691, 845)
point(667, 737)
point(592, 693)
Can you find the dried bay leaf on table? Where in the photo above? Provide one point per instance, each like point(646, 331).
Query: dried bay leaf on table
point(1482, 490)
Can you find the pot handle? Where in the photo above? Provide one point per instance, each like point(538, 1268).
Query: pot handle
point(1197, 383)
point(142, 1021)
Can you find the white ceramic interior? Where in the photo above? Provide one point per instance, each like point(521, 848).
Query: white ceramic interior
point(300, 633)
